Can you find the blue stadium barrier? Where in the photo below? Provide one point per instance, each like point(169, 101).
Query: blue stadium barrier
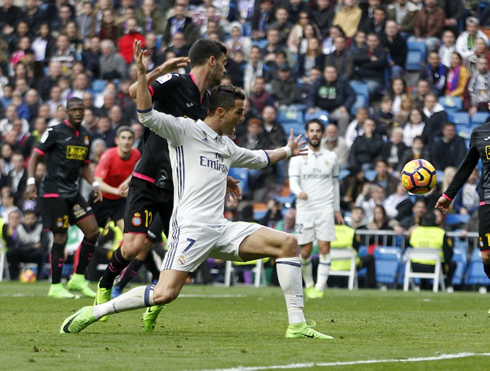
point(464, 131)
point(318, 114)
point(388, 261)
point(462, 118)
point(439, 175)
point(98, 86)
point(290, 116)
point(461, 261)
point(452, 104)
point(416, 55)
point(259, 214)
point(479, 118)
point(287, 201)
point(242, 175)
point(343, 173)
point(452, 219)
point(370, 174)
point(260, 43)
point(362, 95)
point(298, 128)
point(475, 274)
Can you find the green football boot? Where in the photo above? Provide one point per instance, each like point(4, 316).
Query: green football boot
point(103, 296)
point(57, 291)
point(78, 321)
point(303, 330)
point(150, 317)
point(79, 283)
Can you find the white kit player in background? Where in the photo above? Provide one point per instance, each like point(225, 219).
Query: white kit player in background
point(201, 154)
point(314, 179)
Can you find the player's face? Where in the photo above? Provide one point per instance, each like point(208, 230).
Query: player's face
point(218, 70)
point(314, 135)
point(233, 117)
point(125, 141)
point(75, 112)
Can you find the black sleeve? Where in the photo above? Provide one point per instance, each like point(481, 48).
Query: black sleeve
point(465, 169)
point(47, 141)
point(447, 248)
point(163, 87)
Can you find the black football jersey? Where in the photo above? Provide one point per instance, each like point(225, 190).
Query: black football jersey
point(479, 149)
point(177, 95)
point(66, 151)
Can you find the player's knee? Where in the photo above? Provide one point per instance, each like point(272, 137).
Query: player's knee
point(93, 234)
point(131, 249)
point(60, 238)
point(289, 246)
point(165, 296)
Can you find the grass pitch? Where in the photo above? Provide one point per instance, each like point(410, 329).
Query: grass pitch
point(217, 327)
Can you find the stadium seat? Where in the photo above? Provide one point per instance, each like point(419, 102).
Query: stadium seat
point(452, 219)
point(461, 261)
point(98, 86)
point(344, 254)
point(290, 116)
point(362, 95)
point(416, 55)
point(343, 173)
point(319, 114)
point(479, 118)
point(421, 253)
point(387, 260)
point(453, 104)
point(463, 131)
point(258, 271)
point(242, 175)
point(286, 201)
point(476, 275)
point(260, 43)
point(297, 128)
point(462, 118)
point(370, 174)
point(439, 175)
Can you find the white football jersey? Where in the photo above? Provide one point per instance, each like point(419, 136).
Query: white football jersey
point(317, 175)
point(200, 161)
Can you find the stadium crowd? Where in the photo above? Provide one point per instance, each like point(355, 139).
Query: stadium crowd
point(293, 58)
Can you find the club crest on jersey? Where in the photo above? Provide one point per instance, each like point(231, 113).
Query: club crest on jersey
point(59, 223)
point(163, 79)
point(181, 260)
point(482, 245)
point(137, 220)
point(86, 141)
point(327, 162)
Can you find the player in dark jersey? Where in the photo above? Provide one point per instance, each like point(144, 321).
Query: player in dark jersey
point(479, 149)
point(66, 147)
point(151, 188)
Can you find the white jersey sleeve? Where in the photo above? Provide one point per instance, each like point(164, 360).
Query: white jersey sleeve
point(295, 175)
point(167, 126)
point(242, 157)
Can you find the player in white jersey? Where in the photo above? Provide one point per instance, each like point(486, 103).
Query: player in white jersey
point(314, 179)
point(201, 155)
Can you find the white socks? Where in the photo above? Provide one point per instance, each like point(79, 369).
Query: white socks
point(289, 275)
point(138, 297)
point(307, 270)
point(323, 271)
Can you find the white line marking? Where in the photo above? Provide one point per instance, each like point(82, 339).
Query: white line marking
point(349, 363)
point(211, 296)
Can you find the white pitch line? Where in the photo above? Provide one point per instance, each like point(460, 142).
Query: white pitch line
point(349, 363)
point(212, 296)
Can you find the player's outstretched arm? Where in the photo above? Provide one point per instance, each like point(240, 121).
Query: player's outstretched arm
point(31, 191)
point(143, 99)
point(88, 175)
point(292, 149)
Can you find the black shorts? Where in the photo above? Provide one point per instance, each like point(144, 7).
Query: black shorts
point(59, 213)
point(145, 201)
point(108, 209)
point(484, 227)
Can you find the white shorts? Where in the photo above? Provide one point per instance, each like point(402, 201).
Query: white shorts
point(190, 245)
point(315, 224)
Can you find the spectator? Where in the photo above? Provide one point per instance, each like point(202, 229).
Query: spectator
point(465, 44)
point(262, 19)
point(356, 127)
point(379, 222)
point(335, 143)
point(303, 90)
point(384, 117)
point(255, 137)
point(403, 12)
point(58, 117)
point(301, 32)
point(435, 117)
point(414, 127)
point(476, 94)
point(409, 223)
point(237, 41)
point(397, 47)
point(85, 19)
point(449, 150)
point(328, 45)
point(8, 204)
point(366, 147)
point(273, 215)
point(467, 200)
point(106, 132)
point(11, 115)
point(259, 97)
point(454, 13)
point(65, 14)
point(481, 50)
point(34, 15)
point(348, 17)
point(273, 47)
point(415, 152)
point(398, 205)
point(351, 187)
point(284, 89)
point(117, 118)
point(10, 236)
point(393, 150)
point(98, 148)
point(384, 178)
point(55, 99)
point(8, 92)
point(372, 65)
point(429, 24)
point(138, 130)
point(377, 24)
point(368, 8)
point(126, 42)
point(397, 88)
point(447, 48)
point(435, 73)
point(418, 96)
point(341, 58)
point(108, 28)
point(333, 94)
point(282, 23)
point(178, 47)
point(111, 64)
point(9, 16)
point(359, 47)
point(372, 195)
point(272, 129)
point(150, 17)
point(254, 68)
point(54, 74)
point(312, 58)
point(17, 178)
point(109, 99)
point(322, 15)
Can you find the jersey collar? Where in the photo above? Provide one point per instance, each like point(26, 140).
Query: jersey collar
point(71, 127)
point(207, 130)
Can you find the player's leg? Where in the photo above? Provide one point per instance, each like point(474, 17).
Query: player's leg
point(323, 267)
point(84, 218)
point(305, 234)
point(265, 242)
point(484, 232)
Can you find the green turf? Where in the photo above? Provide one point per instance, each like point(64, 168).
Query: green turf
point(197, 333)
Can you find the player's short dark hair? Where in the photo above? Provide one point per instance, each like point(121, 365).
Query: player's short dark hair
point(122, 129)
point(224, 96)
point(315, 121)
point(74, 100)
point(204, 49)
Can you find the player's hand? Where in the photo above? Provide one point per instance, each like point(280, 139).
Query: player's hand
point(173, 64)
point(140, 57)
point(443, 203)
point(296, 144)
point(31, 192)
point(303, 196)
point(123, 189)
point(338, 217)
point(97, 194)
point(233, 190)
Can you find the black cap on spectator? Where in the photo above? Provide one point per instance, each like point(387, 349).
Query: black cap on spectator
point(284, 67)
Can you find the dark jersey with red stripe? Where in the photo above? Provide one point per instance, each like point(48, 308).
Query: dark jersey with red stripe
point(479, 149)
point(177, 95)
point(66, 151)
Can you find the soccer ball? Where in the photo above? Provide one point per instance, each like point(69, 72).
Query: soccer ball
point(419, 176)
point(27, 276)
